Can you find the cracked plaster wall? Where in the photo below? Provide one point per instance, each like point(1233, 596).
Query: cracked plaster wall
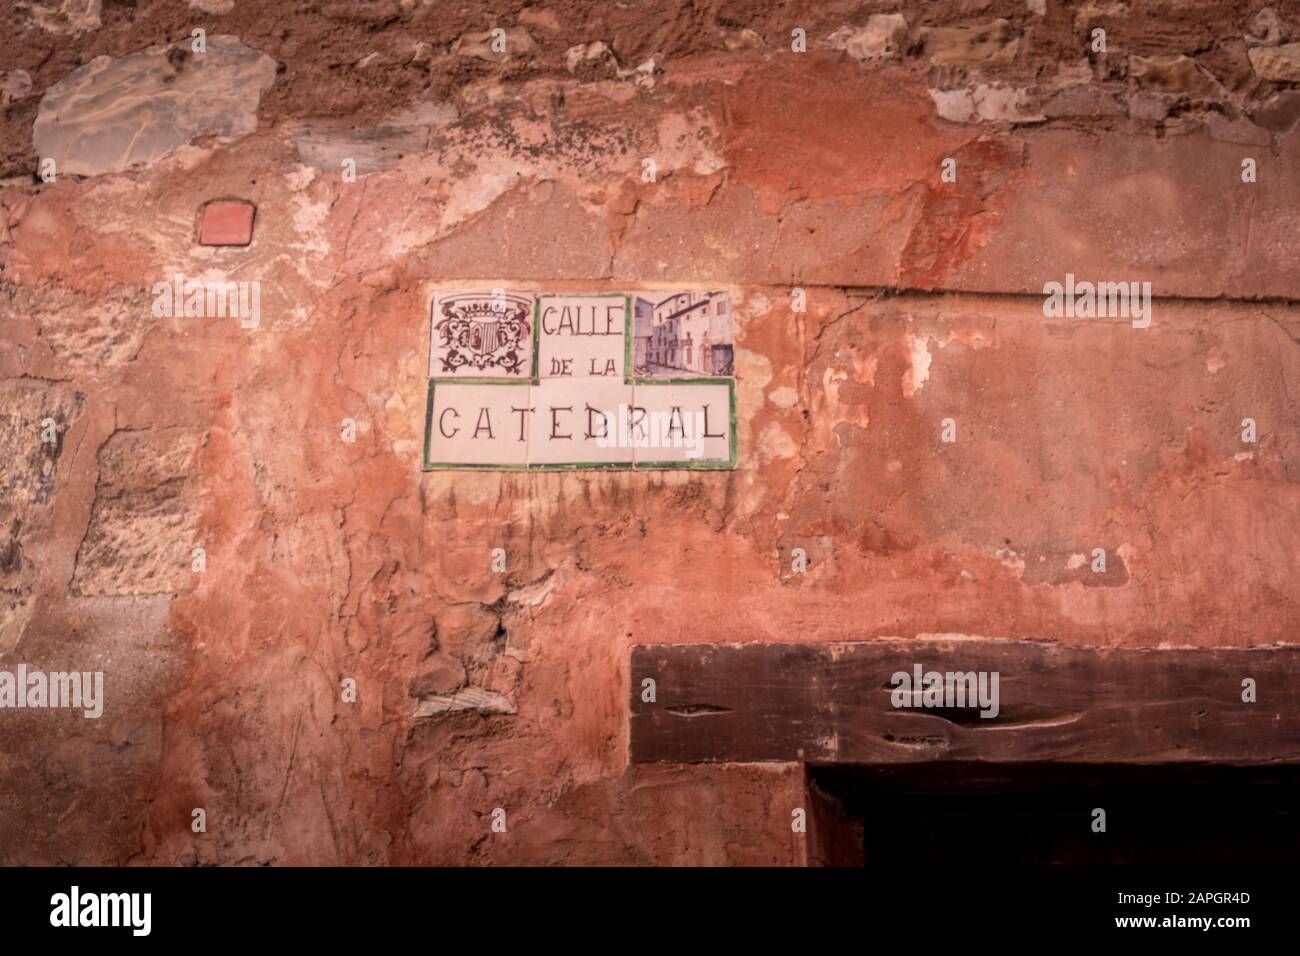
point(820, 170)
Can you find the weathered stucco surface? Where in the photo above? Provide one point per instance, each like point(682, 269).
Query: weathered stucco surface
point(821, 170)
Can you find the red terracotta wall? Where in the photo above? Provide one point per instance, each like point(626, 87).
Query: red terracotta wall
point(821, 171)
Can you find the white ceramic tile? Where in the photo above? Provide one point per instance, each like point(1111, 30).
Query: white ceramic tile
point(684, 334)
point(682, 422)
point(580, 421)
point(582, 337)
point(479, 424)
point(481, 335)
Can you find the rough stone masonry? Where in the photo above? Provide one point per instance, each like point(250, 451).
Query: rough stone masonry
point(342, 658)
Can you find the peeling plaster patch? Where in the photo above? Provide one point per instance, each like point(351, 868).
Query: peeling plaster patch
point(970, 339)
point(683, 145)
point(756, 304)
point(864, 370)
point(827, 403)
point(1011, 560)
point(597, 51)
point(299, 178)
point(396, 403)
point(480, 190)
point(1126, 552)
point(1076, 561)
point(1243, 456)
point(775, 442)
point(753, 374)
point(1214, 363)
point(918, 373)
point(831, 379)
point(535, 594)
point(475, 165)
point(309, 221)
point(785, 397)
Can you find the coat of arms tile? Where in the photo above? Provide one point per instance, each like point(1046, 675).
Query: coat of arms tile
point(482, 335)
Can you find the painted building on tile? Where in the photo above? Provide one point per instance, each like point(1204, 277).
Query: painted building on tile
point(686, 333)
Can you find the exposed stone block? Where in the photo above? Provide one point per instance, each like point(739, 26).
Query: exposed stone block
point(14, 85)
point(158, 99)
point(371, 149)
point(884, 37)
point(989, 103)
point(1280, 63)
point(65, 17)
point(513, 41)
point(85, 332)
point(485, 702)
point(991, 44)
point(30, 411)
point(1172, 74)
point(144, 525)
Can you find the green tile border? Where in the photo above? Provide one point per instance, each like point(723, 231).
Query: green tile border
point(628, 370)
point(584, 466)
point(629, 378)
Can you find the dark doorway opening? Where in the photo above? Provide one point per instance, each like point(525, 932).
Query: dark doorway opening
point(964, 814)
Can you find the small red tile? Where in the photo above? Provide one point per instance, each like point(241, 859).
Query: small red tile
point(227, 224)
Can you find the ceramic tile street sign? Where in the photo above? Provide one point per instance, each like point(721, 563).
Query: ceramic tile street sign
point(538, 381)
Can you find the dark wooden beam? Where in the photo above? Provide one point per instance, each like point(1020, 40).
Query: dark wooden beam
point(831, 704)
